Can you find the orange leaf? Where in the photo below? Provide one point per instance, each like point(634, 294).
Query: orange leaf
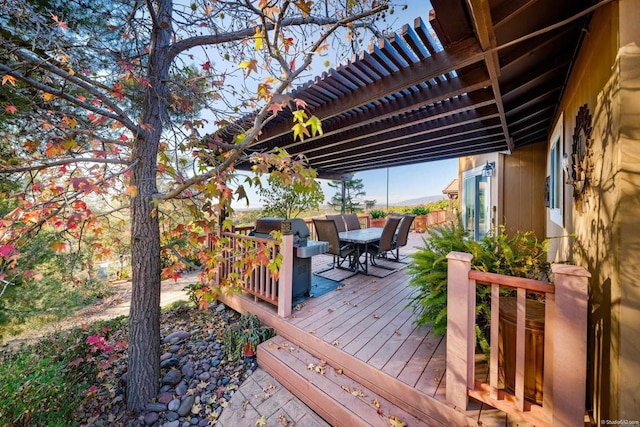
point(59, 247)
point(48, 96)
point(131, 191)
point(8, 79)
point(304, 6)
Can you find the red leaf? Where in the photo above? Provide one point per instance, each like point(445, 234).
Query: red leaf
point(206, 66)
point(11, 109)
point(76, 362)
point(6, 250)
point(60, 23)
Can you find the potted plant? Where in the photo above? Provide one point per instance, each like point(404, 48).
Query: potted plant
point(377, 218)
point(420, 222)
point(241, 339)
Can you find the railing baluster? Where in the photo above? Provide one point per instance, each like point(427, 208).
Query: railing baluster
point(520, 354)
point(495, 324)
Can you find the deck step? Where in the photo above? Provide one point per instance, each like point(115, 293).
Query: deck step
point(340, 400)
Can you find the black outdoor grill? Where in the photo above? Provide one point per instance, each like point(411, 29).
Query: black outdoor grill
point(304, 249)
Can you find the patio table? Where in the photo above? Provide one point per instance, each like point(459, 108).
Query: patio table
point(361, 240)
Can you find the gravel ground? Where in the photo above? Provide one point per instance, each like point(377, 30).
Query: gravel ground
point(198, 379)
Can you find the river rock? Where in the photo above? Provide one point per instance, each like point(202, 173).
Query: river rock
point(172, 377)
point(176, 336)
point(174, 405)
point(185, 405)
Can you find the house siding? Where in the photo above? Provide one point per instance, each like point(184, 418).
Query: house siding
point(523, 189)
point(517, 188)
point(602, 223)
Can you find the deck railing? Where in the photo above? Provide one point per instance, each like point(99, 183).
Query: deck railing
point(246, 264)
point(565, 340)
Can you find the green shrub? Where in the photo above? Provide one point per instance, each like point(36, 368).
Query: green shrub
point(247, 329)
point(519, 255)
point(377, 214)
point(419, 210)
point(44, 384)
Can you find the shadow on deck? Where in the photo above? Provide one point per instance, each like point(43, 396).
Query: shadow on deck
point(356, 357)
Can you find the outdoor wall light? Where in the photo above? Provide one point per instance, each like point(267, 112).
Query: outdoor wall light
point(487, 170)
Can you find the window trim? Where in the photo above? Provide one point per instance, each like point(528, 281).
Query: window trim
point(556, 181)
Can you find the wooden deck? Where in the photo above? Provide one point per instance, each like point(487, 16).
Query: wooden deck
point(364, 332)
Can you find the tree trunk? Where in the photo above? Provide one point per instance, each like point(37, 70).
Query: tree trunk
point(144, 316)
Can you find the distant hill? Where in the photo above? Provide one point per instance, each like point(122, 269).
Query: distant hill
point(419, 201)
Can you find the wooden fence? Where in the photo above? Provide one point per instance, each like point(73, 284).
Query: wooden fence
point(565, 340)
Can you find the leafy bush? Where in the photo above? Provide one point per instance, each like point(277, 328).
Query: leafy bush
point(247, 330)
point(420, 210)
point(377, 214)
point(519, 255)
point(45, 383)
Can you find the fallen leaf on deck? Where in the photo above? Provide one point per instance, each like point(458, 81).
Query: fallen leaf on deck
point(374, 289)
point(358, 393)
point(375, 316)
point(312, 332)
point(339, 288)
point(310, 366)
point(261, 422)
point(272, 345)
point(336, 343)
point(339, 371)
point(283, 421)
point(346, 388)
point(396, 422)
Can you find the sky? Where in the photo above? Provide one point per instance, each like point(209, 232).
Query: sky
point(404, 182)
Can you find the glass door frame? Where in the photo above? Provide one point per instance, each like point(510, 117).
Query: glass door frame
point(477, 231)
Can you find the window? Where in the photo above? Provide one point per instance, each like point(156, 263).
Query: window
point(555, 174)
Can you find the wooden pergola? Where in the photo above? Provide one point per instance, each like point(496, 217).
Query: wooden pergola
point(489, 82)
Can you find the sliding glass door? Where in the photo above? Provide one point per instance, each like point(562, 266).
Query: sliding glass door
point(476, 215)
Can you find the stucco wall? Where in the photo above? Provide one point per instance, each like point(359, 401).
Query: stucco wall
point(604, 219)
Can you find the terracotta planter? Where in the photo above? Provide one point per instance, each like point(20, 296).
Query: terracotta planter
point(420, 223)
point(378, 222)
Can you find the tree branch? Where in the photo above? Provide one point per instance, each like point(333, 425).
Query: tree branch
point(117, 113)
point(213, 39)
point(62, 162)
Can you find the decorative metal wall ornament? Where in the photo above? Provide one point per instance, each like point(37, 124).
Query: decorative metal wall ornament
point(581, 163)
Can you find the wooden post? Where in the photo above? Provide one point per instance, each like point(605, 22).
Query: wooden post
point(461, 302)
point(565, 359)
point(285, 279)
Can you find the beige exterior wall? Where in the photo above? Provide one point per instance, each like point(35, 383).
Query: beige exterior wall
point(523, 189)
point(517, 187)
point(604, 220)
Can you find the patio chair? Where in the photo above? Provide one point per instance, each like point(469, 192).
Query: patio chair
point(352, 221)
point(327, 231)
point(401, 237)
point(386, 240)
point(340, 225)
